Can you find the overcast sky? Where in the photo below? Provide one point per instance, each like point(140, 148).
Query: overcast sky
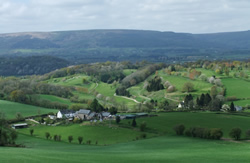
point(192, 16)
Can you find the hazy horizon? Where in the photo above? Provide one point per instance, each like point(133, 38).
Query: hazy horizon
point(180, 16)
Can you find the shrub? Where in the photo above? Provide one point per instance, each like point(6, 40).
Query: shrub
point(59, 138)
point(232, 98)
point(143, 136)
point(248, 133)
point(179, 129)
point(31, 131)
point(55, 137)
point(235, 133)
point(143, 126)
point(216, 133)
point(207, 133)
point(47, 135)
point(80, 138)
point(88, 142)
point(70, 138)
point(117, 119)
point(188, 132)
point(134, 123)
point(204, 133)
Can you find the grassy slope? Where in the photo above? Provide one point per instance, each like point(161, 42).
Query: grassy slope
point(161, 149)
point(101, 133)
point(165, 122)
point(177, 81)
point(11, 108)
point(56, 99)
point(239, 88)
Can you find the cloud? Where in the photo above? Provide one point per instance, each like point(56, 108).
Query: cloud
point(194, 16)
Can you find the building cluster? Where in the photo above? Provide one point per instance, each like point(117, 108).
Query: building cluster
point(82, 114)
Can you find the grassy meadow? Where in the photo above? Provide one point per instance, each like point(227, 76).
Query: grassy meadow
point(160, 149)
point(11, 108)
point(103, 134)
point(237, 87)
point(165, 148)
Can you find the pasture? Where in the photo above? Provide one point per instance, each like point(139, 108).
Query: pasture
point(56, 99)
point(237, 87)
point(102, 133)
point(11, 108)
point(160, 149)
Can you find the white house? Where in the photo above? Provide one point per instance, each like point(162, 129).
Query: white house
point(65, 113)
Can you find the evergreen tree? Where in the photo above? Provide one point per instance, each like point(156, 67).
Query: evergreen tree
point(232, 108)
point(95, 106)
point(198, 101)
point(117, 119)
point(155, 84)
point(202, 100)
point(187, 100)
point(207, 99)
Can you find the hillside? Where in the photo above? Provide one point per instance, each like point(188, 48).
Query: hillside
point(88, 46)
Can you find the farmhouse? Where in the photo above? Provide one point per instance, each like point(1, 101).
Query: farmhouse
point(65, 113)
point(84, 114)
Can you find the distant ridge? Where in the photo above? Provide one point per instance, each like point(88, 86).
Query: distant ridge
point(117, 44)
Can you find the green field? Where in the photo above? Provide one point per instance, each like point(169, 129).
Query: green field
point(102, 133)
point(75, 80)
point(56, 99)
point(164, 123)
point(160, 149)
point(241, 102)
point(129, 71)
point(237, 87)
point(178, 81)
point(11, 108)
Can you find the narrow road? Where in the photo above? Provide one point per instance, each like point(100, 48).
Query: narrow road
point(128, 98)
point(33, 120)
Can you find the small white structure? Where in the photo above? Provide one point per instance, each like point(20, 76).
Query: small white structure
point(238, 108)
point(181, 104)
point(52, 117)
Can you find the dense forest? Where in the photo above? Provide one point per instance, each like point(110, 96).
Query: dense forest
point(34, 65)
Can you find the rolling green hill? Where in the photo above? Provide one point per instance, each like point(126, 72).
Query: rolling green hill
point(161, 149)
point(164, 148)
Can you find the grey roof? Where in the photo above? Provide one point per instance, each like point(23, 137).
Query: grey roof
point(105, 114)
point(83, 111)
point(92, 114)
point(67, 111)
point(238, 108)
point(141, 114)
